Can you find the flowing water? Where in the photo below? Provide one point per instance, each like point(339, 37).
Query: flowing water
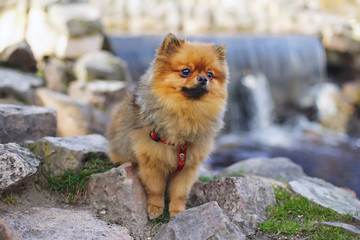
point(271, 81)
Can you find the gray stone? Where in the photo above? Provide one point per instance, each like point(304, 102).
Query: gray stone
point(326, 195)
point(19, 85)
point(118, 196)
point(56, 75)
point(19, 56)
point(280, 168)
point(101, 65)
point(21, 123)
point(203, 222)
point(74, 118)
point(75, 19)
point(16, 164)
point(101, 94)
point(5, 232)
point(70, 153)
point(347, 227)
point(243, 199)
point(54, 223)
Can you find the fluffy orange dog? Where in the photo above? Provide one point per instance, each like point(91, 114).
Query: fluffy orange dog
point(169, 123)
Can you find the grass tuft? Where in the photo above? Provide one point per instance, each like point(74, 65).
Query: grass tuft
point(72, 184)
point(294, 216)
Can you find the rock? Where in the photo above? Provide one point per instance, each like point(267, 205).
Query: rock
point(203, 222)
point(55, 75)
point(351, 91)
point(5, 233)
point(16, 164)
point(69, 153)
point(21, 123)
point(101, 94)
point(13, 21)
point(118, 196)
point(326, 195)
point(74, 118)
point(243, 199)
point(63, 30)
point(101, 65)
point(347, 227)
point(280, 168)
point(18, 85)
point(54, 223)
point(19, 56)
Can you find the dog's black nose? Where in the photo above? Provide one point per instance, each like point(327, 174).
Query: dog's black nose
point(202, 80)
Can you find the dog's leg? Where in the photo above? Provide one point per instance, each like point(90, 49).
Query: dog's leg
point(154, 181)
point(179, 188)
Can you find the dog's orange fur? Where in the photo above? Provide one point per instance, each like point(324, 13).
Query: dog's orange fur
point(175, 116)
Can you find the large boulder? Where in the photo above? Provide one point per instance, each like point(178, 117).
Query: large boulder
point(203, 222)
point(55, 223)
point(243, 199)
point(326, 195)
point(70, 153)
point(74, 118)
point(16, 165)
point(63, 30)
point(280, 168)
point(18, 85)
point(118, 196)
point(21, 123)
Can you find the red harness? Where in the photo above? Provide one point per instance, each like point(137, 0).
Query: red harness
point(181, 153)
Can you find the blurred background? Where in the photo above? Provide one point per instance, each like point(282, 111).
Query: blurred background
point(294, 70)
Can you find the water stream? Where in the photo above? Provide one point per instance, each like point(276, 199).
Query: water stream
point(271, 80)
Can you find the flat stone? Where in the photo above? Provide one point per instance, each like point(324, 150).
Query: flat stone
point(243, 199)
point(203, 222)
point(347, 227)
point(21, 123)
point(280, 168)
point(118, 196)
point(69, 153)
point(19, 85)
point(101, 65)
point(326, 195)
point(74, 117)
point(54, 223)
point(16, 164)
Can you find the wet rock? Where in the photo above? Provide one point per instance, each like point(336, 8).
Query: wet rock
point(282, 169)
point(16, 164)
point(203, 222)
point(243, 199)
point(101, 65)
point(21, 123)
point(326, 195)
point(74, 118)
point(101, 94)
point(118, 196)
point(61, 154)
point(18, 56)
point(63, 30)
point(54, 223)
point(347, 227)
point(18, 85)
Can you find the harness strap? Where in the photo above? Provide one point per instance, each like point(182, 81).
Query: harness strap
point(181, 152)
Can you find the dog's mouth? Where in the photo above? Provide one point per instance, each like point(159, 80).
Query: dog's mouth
point(194, 93)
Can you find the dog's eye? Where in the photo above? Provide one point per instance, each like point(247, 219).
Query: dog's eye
point(210, 75)
point(185, 72)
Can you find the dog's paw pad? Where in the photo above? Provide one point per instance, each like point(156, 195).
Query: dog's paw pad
point(154, 212)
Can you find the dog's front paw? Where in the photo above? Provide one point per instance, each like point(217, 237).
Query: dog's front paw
point(154, 211)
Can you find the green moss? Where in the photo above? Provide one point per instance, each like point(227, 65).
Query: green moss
point(71, 184)
point(294, 216)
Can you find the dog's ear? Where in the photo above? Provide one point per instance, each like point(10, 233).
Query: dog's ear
point(170, 45)
point(221, 51)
